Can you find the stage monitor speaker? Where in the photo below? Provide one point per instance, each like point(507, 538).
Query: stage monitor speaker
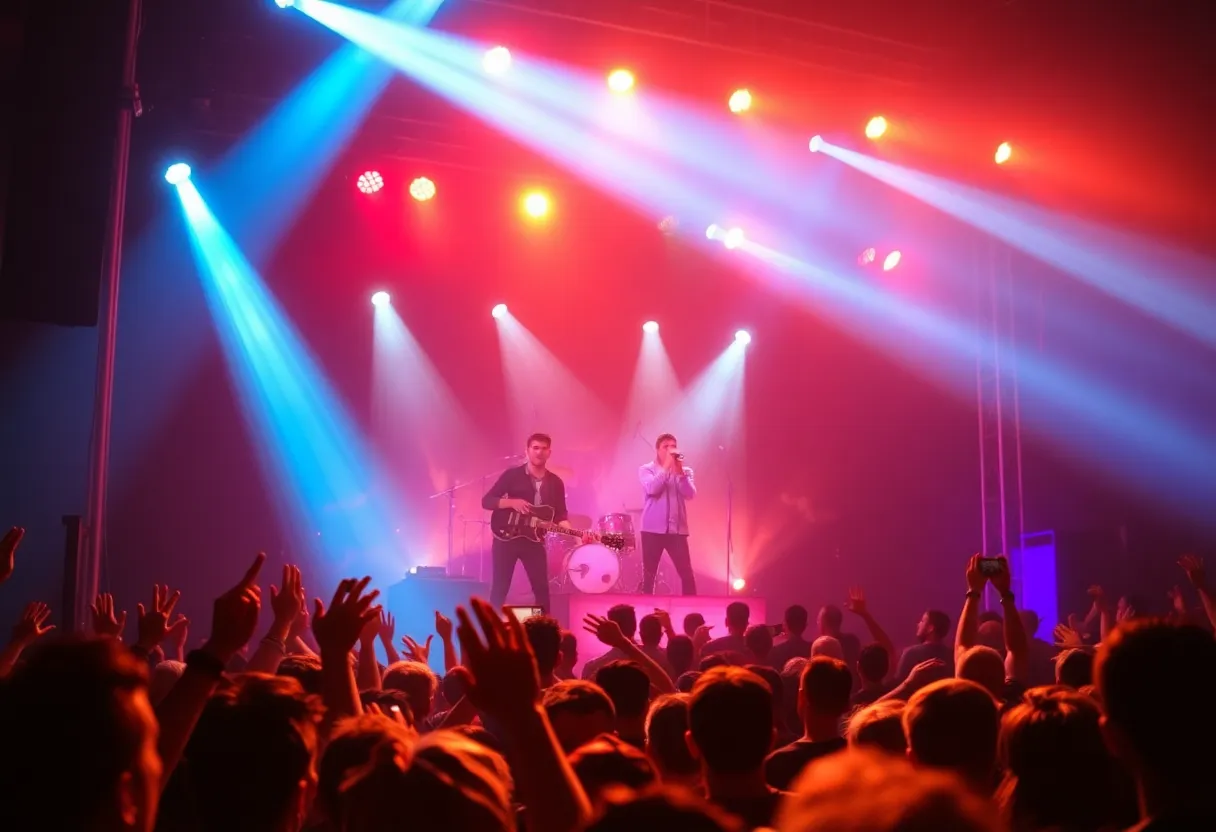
point(61, 118)
point(413, 603)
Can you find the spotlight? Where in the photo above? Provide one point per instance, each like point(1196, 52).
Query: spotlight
point(876, 127)
point(284, 4)
point(712, 232)
point(499, 311)
point(738, 584)
point(497, 60)
point(380, 299)
point(740, 101)
point(650, 327)
point(422, 189)
point(620, 80)
point(733, 238)
point(177, 174)
point(743, 337)
point(816, 143)
point(536, 204)
point(1003, 152)
point(866, 257)
point(891, 261)
point(370, 182)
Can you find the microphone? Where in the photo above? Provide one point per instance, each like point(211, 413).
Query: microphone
point(677, 455)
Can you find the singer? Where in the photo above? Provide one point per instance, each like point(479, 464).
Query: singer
point(519, 488)
point(666, 485)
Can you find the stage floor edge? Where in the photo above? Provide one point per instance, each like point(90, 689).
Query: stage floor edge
point(570, 610)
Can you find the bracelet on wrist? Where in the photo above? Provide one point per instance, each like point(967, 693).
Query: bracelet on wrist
point(1008, 596)
point(277, 642)
point(973, 594)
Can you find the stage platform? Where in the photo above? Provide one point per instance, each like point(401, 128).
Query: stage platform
point(570, 609)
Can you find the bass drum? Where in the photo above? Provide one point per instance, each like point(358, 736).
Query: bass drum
point(593, 568)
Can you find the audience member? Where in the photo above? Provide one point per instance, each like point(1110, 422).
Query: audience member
point(793, 645)
point(933, 635)
point(608, 761)
point(879, 726)
point(629, 689)
point(823, 698)
point(627, 619)
point(830, 622)
point(680, 655)
point(738, 615)
point(545, 636)
point(730, 731)
point(666, 746)
point(579, 711)
point(650, 634)
point(952, 724)
point(873, 670)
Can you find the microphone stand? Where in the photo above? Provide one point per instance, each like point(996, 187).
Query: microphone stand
point(450, 493)
point(730, 519)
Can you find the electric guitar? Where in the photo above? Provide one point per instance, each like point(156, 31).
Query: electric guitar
point(509, 524)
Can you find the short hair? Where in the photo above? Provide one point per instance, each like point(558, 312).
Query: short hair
point(680, 653)
point(608, 761)
point(650, 629)
point(545, 636)
point(990, 615)
point(738, 614)
point(687, 680)
point(386, 700)
point(453, 686)
point(873, 663)
point(254, 742)
point(350, 746)
point(826, 686)
point(730, 717)
point(417, 681)
point(880, 726)
point(952, 724)
point(795, 618)
point(660, 807)
point(1075, 668)
point(626, 617)
point(759, 640)
point(985, 667)
point(70, 722)
point(666, 725)
point(663, 437)
point(832, 616)
point(627, 685)
point(713, 660)
point(542, 438)
point(1156, 682)
point(692, 622)
point(396, 776)
point(305, 668)
point(829, 646)
point(773, 678)
point(1058, 772)
point(939, 621)
point(578, 697)
point(863, 788)
point(474, 766)
point(569, 647)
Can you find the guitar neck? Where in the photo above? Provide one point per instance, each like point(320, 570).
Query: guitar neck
point(553, 527)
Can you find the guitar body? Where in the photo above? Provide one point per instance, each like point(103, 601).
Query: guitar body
point(509, 524)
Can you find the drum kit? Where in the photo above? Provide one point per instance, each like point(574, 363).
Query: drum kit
point(593, 568)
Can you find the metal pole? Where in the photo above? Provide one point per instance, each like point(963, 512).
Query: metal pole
point(89, 567)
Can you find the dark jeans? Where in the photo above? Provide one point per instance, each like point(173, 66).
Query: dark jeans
point(676, 546)
point(504, 553)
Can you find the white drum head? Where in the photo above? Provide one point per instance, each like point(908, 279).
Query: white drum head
point(593, 568)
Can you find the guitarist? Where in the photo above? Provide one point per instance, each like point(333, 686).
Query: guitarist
point(519, 489)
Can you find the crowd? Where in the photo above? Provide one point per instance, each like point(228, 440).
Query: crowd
point(980, 725)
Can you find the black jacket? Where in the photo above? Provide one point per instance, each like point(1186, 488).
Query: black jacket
point(516, 484)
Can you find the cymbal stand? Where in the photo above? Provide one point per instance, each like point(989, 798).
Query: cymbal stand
point(450, 494)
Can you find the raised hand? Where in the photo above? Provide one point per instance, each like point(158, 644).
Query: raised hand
point(177, 633)
point(857, 602)
point(337, 631)
point(504, 680)
point(702, 636)
point(8, 552)
point(105, 622)
point(605, 629)
point(235, 614)
point(1098, 595)
point(1193, 567)
point(1002, 580)
point(443, 626)
point(1067, 637)
point(289, 603)
point(926, 672)
point(153, 624)
point(29, 627)
point(388, 627)
point(1124, 612)
point(415, 651)
point(975, 575)
point(1177, 601)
